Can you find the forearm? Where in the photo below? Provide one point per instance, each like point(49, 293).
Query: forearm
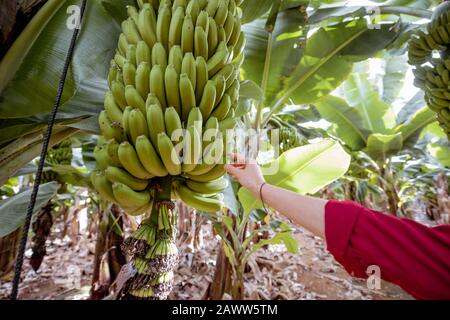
point(304, 211)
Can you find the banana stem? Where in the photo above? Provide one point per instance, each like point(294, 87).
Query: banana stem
point(265, 79)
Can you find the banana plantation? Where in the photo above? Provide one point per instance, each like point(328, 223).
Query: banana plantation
point(122, 122)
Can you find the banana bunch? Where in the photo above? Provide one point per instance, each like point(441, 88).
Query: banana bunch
point(432, 74)
point(173, 90)
point(290, 138)
point(60, 154)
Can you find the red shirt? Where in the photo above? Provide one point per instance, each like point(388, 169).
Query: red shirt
point(409, 254)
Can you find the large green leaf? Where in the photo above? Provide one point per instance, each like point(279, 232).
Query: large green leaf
point(253, 9)
point(13, 210)
point(303, 170)
point(380, 146)
point(394, 76)
point(412, 129)
point(441, 151)
point(378, 116)
point(348, 123)
point(285, 54)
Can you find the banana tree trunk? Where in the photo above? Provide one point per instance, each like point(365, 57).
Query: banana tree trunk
point(221, 282)
point(109, 258)
point(41, 227)
point(9, 246)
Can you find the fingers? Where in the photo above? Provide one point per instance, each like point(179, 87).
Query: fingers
point(236, 158)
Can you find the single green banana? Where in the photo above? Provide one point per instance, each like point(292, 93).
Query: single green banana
point(131, 54)
point(210, 187)
point(137, 125)
point(130, 161)
point(202, 77)
point(163, 26)
point(172, 121)
point(171, 81)
point(176, 58)
point(198, 201)
point(188, 66)
point(118, 90)
point(193, 10)
point(187, 94)
point(208, 99)
point(157, 84)
point(176, 27)
point(103, 186)
point(115, 174)
point(192, 150)
point(169, 154)
point(134, 99)
point(112, 109)
point(129, 73)
point(159, 55)
point(149, 157)
point(147, 25)
point(142, 79)
point(187, 35)
point(213, 37)
point(213, 174)
point(129, 198)
point(155, 122)
point(217, 61)
point(195, 119)
point(201, 43)
point(143, 53)
point(221, 111)
point(110, 130)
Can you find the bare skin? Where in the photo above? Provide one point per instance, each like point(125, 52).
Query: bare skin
point(306, 212)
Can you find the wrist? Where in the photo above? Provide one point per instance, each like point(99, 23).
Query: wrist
point(256, 189)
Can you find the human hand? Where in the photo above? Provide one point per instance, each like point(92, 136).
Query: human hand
point(246, 172)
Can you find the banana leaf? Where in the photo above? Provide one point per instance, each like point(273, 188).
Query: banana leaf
point(348, 123)
point(303, 170)
point(381, 146)
point(412, 128)
point(13, 209)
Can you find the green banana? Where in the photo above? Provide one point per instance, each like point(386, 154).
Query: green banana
point(134, 99)
point(188, 66)
point(213, 37)
point(159, 56)
point(125, 116)
point(110, 130)
point(112, 109)
point(112, 147)
point(220, 83)
point(149, 157)
point(221, 111)
point(163, 26)
point(118, 91)
point(187, 95)
point(221, 13)
point(217, 61)
point(137, 125)
point(157, 84)
point(115, 174)
point(193, 9)
point(147, 25)
point(169, 155)
point(155, 122)
point(131, 31)
point(103, 186)
point(129, 198)
point(171, 81)
point(210, 187)
point(122, 44)
point(176, 58)
point(129, 73)
point(211, 7)
point(172, 121)
point(197, 201)
point(201, 43)
point(208, 99)
point(203, 21)
point(211, 130)
point(195, 119)
point(176, 27)
point(214, 173)
point(202, 77)
point(143, 53)
point(228, 27)
point(187, 35)
point(192, 150)
point(101, 157)
point(130, 161)
point(142, 79)
point(131, 54)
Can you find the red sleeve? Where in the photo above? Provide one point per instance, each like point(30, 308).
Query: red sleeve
point(409, 254)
